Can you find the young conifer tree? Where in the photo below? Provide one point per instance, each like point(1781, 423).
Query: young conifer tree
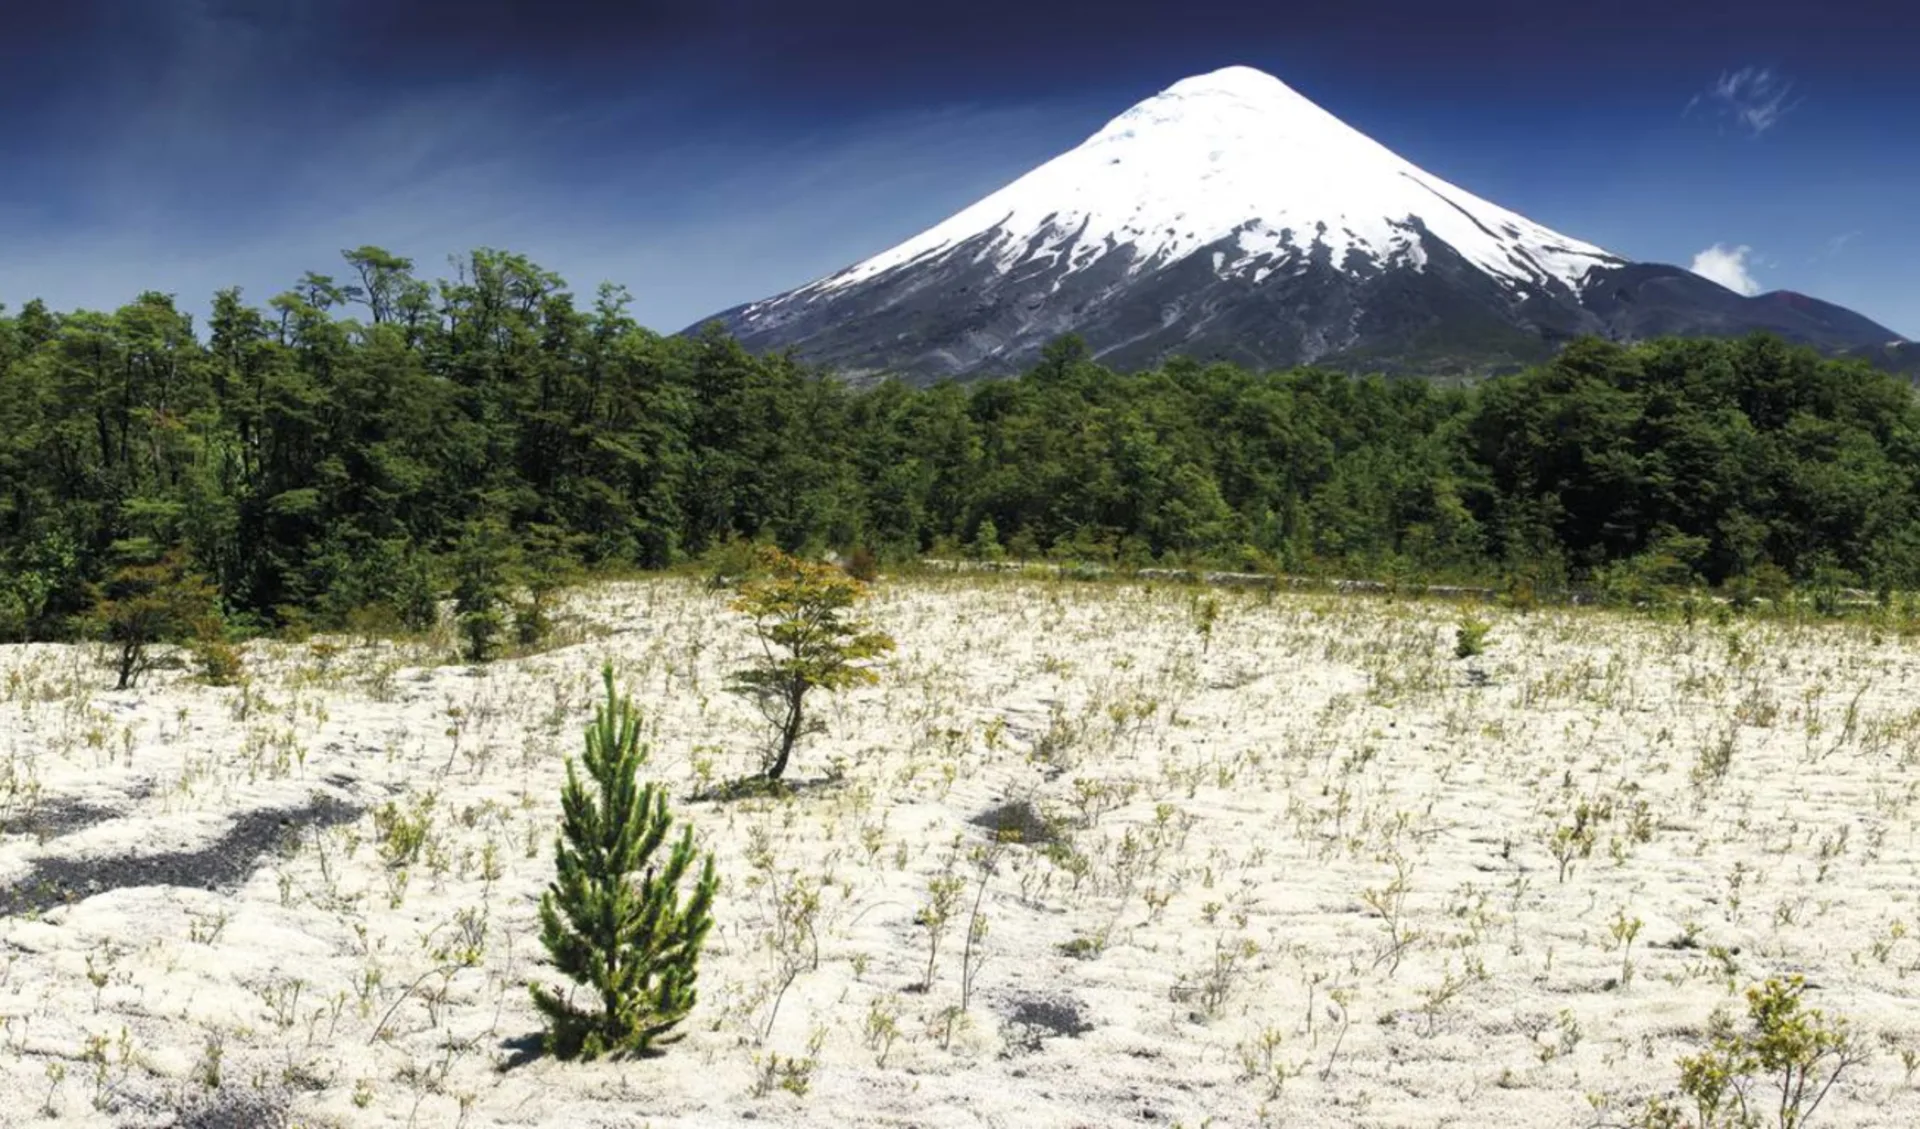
point(613, 920)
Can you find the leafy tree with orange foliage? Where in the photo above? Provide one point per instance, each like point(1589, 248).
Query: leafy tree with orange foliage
point(153, 601)
point(802, 613)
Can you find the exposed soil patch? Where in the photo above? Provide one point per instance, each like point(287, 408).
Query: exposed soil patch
point(223, 863)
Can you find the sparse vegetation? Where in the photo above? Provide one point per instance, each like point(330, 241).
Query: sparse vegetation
point(1776, 1072)
point(1295, 861)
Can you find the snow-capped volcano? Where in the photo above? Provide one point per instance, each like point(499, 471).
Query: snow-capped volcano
point(1227, 216)
point(1237, 156)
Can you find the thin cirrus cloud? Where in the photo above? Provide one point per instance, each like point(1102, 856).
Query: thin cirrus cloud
point(1835, 244)
point(1754, 99)
point(1731, 267)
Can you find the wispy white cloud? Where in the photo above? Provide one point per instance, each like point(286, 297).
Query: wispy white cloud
point(1834, 245)
point(1728, 266)
point(1754, 99)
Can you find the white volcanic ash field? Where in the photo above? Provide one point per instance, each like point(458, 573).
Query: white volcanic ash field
point(1307, 869)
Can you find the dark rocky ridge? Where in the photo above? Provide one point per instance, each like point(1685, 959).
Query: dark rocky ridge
point(956, 315)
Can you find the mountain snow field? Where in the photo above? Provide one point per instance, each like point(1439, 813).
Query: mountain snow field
point(1228, 217)
point(1280, 860)
point(1238, 155)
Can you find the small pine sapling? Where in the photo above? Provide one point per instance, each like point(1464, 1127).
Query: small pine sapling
point(613, 920)
point(1206, 613)
point(1470, 638)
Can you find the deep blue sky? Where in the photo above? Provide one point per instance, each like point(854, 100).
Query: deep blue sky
point(705, 154)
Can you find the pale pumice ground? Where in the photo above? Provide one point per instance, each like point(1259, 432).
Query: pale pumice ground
point(1317, 847)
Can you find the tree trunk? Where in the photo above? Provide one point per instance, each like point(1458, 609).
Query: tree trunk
point(129, 665)
point(789, 733)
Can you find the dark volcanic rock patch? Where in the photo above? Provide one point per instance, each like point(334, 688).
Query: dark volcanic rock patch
point(236, 1109)
point(223, 863)
point(1034, 1019)
point(50, 818)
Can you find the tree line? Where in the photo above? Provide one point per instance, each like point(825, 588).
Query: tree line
point(370, 442)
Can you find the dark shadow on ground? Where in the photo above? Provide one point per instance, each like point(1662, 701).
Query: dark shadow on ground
point(521, 1050)
point(753, 787)
point(1017, 821)
point(225, 862)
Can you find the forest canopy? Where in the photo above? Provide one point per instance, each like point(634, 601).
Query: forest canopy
point(346, 447)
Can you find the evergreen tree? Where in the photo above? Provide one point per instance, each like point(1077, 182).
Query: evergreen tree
point(613, 920)
point(986, 542)
point(334, 457)
point(483, 568)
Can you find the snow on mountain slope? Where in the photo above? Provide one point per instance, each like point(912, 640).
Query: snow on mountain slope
point(1237, 154)
point(1229, 218)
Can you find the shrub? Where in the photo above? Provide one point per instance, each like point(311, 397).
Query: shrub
point(415, 597)
point(1470, 638)
point(729, 562)
point(1741, 592)
point(800, 615)
point(208, 641)
point(482, 629)
point(1520, 594)
point(986, 542)
point(613, 919)
point(1771, 583)
point(1655, 576)
point(1800, 1050)
point(219, 661)
point(402, 834)
point(548, 567)
point(862, 565)
point(1249, 558)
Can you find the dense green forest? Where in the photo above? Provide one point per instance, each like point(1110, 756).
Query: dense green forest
point(373, 441)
